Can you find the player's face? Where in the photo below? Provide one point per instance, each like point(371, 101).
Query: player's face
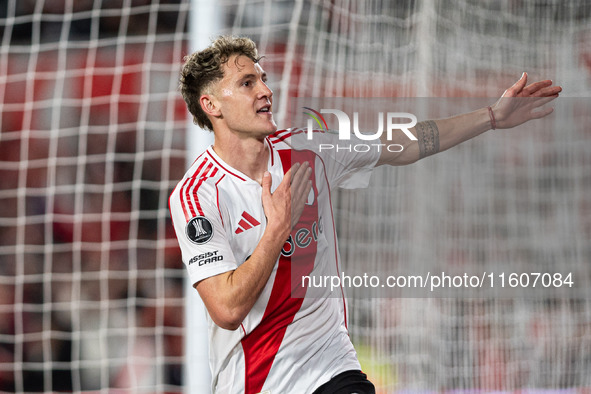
point(244, 99)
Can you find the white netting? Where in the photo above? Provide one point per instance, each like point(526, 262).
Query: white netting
point(92, 142)
point(508, 202)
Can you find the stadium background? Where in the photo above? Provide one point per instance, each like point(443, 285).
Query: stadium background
point(94, 137)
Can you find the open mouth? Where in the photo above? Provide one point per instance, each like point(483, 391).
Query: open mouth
point(265, 109)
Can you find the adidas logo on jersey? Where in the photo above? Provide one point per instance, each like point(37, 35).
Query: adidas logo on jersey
point(246, 222)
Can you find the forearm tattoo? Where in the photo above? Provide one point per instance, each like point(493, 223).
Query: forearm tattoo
point(428, 138)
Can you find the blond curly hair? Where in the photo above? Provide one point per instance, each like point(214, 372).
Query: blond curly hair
point(202, 69)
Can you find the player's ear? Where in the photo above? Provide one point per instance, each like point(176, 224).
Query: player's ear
point(209, 105)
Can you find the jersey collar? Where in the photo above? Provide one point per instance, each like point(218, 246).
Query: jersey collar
point(236, 174)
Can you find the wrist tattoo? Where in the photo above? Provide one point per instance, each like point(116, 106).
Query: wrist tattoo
point(428, 138)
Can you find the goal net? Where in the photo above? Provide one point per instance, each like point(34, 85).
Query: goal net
point(93, 140)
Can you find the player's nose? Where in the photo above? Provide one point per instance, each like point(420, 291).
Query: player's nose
point(265, 91)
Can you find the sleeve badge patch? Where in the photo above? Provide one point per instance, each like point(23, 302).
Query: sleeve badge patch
point(199, 230)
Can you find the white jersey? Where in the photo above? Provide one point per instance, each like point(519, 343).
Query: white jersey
point(290, 342)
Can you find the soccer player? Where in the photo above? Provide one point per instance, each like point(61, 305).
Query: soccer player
point(253, 214)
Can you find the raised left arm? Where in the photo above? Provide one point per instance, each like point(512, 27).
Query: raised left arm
point(518, 104)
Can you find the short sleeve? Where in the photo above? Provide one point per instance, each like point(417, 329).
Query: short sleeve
point(201, 236)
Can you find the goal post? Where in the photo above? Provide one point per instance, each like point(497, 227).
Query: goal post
point(205, 23)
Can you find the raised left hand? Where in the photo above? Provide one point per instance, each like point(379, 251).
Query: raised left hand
point(521, 102)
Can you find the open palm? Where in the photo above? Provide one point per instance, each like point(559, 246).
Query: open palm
point(521, 102)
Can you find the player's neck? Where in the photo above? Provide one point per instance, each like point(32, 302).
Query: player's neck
point(249, 156)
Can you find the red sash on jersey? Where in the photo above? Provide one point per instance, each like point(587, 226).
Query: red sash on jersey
point(262, 344)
